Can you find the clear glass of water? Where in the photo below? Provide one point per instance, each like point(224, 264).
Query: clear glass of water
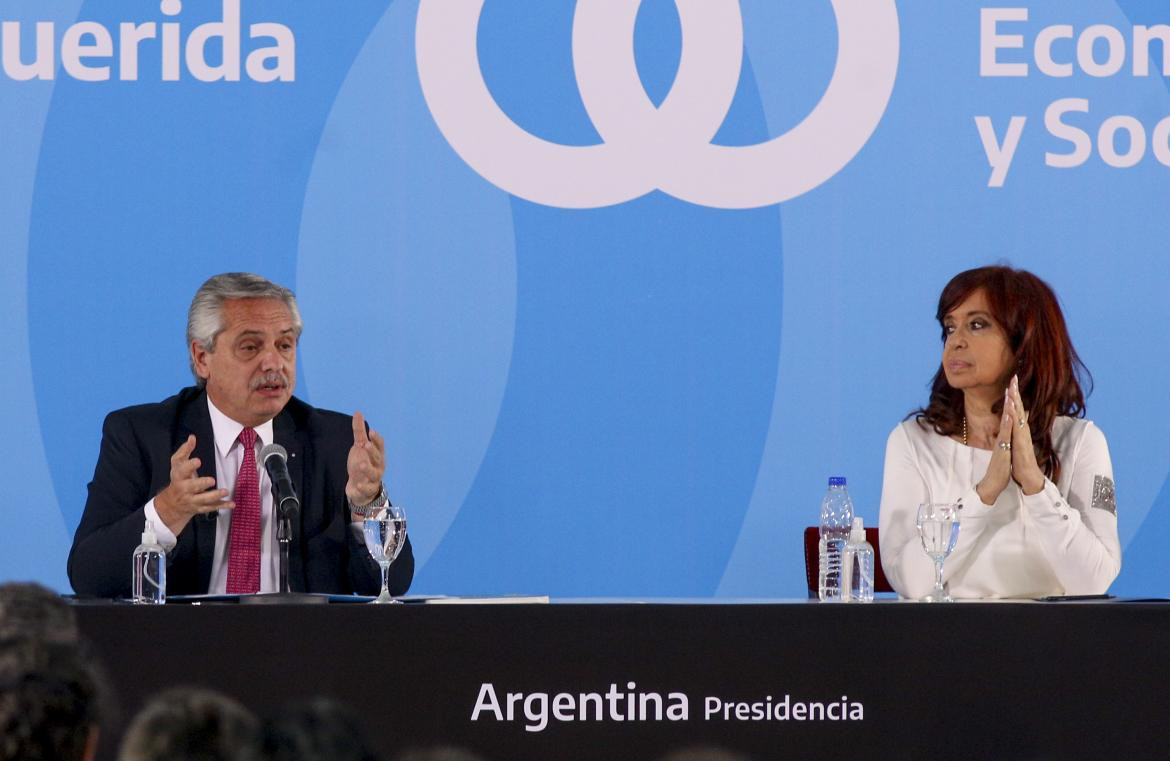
point(938, 526)
point(385, 533)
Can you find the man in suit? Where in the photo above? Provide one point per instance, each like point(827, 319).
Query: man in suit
point(189, 466)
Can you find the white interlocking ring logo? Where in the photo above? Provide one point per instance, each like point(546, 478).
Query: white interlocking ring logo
point(667, 147)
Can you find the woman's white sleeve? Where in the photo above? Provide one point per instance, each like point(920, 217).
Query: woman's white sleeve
point(1077, 531)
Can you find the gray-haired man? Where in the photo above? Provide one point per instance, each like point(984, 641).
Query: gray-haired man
point(188, 465)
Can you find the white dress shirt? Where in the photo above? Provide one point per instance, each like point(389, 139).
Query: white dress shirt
point(228, 456)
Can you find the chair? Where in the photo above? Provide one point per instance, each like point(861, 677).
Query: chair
point(812, 539)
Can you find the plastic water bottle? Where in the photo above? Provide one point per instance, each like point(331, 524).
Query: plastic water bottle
point(836, 520)
point(149, 584)
point(857, 570)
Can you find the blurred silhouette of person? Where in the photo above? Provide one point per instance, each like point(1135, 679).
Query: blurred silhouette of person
point(192, 723)
point(28, 609)
point(704, 754)
point(439, 753)
point(48, 701)
point(316, 730)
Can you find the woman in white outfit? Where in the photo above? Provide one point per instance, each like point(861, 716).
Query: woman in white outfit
point(1004, 436)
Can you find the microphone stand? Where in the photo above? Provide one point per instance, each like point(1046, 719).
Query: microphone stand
point(284, 512)
point(284, 537)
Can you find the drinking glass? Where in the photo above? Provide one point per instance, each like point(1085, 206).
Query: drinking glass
point(938, 526)
point(385, 533)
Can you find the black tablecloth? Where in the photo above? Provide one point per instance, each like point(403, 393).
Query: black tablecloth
point(892, 680)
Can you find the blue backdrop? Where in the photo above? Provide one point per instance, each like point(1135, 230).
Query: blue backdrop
point(611, 382)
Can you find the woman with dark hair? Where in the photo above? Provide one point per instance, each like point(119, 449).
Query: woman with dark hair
point(1004, 436)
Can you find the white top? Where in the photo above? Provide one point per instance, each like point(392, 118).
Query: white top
point(1060, 541)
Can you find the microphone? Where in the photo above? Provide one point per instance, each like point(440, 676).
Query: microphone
point(275, 459)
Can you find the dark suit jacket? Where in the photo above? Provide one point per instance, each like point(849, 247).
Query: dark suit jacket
point(134, 465)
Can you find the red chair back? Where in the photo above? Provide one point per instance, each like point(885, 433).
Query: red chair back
point(812, 538)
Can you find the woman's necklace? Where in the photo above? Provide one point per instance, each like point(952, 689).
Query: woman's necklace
point(964, 430)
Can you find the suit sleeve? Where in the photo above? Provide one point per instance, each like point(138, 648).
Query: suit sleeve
point(111, 526)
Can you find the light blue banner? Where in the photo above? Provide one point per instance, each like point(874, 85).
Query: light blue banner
point(619, 309)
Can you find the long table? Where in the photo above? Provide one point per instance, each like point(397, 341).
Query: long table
point(621, 680)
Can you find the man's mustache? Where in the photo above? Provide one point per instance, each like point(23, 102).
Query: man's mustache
point(270, 378)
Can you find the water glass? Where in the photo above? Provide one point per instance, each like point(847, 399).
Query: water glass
point(938, 527)
point(385, 533)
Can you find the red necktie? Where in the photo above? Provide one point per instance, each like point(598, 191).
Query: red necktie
point(244, 539)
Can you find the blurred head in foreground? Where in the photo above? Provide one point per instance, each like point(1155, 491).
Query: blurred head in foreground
point(48, 702)
point(192, 723)
point(704, 754)
point(317, 730)
point(28, 609)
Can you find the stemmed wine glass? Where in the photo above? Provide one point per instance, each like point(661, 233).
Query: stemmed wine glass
point(385, 532)
point(938, 526)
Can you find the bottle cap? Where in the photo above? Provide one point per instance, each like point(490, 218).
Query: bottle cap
point(148, 536)
point(836, 480)
point(857, 535)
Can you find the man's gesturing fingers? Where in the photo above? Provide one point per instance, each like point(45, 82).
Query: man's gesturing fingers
point(188, 493)
point(359, 430)
point(366, 463)
point(377, 451)
point(184, 451)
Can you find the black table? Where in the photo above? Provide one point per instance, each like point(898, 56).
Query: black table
point(892, 680)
